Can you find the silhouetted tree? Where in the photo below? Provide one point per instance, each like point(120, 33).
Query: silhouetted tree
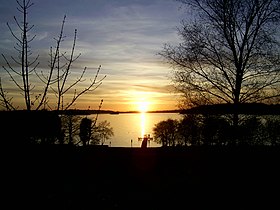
point(93, 134)
point(188, 130)
point(165, 132)
point(20, 127)
point(104, 131)
point(70, 128)
point(24, 54)
point(59, 91)
point(85, 131)
point(215, 130)
point(56, 80)
point(230, 54)
point(271, 131)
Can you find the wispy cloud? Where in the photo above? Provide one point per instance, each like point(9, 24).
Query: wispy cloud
point(122, 36)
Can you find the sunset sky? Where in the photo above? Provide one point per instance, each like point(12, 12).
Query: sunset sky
point(123, 36)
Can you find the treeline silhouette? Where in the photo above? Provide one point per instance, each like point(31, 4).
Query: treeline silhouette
point(243, 108)
point(27, 127)
point(203, 125)
point(198, 176)
point(212, 125)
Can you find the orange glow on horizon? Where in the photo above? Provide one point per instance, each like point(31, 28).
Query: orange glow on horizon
point(143, 106)
point(140, 106)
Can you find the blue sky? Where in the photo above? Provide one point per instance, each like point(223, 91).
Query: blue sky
point(123, 36)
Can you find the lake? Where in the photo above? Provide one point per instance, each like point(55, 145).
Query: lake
point(127, 127)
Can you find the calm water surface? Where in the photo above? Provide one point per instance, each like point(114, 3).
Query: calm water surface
point(128, 127)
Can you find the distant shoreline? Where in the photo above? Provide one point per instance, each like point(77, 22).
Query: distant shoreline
point(89, 112)
point(250, 108)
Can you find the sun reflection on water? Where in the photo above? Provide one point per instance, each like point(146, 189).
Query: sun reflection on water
point(143, 123)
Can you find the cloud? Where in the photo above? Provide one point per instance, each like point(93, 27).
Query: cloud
point(123, 37)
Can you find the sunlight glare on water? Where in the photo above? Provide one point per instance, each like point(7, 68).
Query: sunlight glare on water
point(143, 124)
point(129, 126)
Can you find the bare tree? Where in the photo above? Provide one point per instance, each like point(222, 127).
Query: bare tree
point(24, 54)
point(77, 130)
point(60, 71)
point(229, 54)
point(104, 131)
point(70, 128)
point(56, 82)
point(92, 134)
point(5, 101)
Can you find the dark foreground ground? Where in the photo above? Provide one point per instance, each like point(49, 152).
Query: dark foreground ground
point(132, 178)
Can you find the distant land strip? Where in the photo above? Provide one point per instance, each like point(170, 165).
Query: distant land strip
point(89, 112)
point(246, 108)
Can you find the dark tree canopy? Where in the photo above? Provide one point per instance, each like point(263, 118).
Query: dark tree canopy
point(229, 54)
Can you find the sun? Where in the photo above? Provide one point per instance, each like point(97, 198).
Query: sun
point(143, 106)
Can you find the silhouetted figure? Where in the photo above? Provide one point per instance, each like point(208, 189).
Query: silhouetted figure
point(144, 142)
